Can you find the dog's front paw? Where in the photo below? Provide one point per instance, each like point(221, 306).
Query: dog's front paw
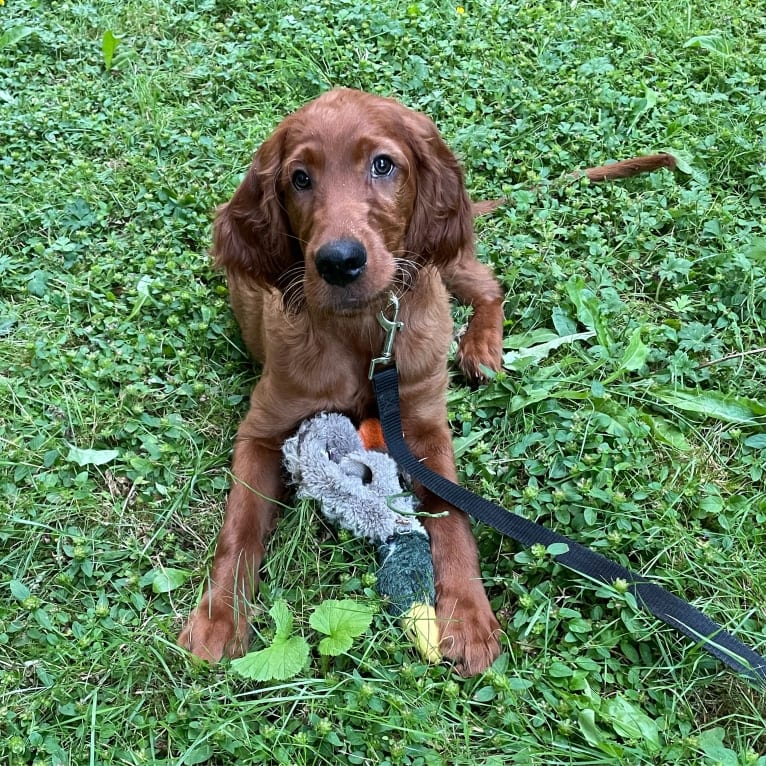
point(480, 349)
point(469, 631)
point(214, 631)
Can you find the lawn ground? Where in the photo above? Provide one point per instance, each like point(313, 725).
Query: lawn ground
point(122, 379)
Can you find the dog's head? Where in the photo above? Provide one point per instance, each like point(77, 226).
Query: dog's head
point(345, 201)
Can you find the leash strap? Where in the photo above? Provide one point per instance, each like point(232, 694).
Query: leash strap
point(662, 604)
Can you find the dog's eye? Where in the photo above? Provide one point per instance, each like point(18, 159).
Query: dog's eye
point(382, 166)
point(301, 180)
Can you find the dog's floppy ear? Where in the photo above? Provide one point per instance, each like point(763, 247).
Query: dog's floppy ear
point(251, 233)
point(442, 219)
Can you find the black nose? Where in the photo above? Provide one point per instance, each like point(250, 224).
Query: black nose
point(341, 262)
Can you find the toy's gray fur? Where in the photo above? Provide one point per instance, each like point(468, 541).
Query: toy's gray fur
point(359, 489)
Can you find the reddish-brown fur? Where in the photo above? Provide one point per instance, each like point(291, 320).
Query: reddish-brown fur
point(316, 339)
point(628, 168)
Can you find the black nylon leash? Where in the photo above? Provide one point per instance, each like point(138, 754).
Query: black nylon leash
point(664, 605)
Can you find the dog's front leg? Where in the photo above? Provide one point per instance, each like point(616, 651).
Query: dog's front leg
point(474, 284)
point(468, 629)
point(219, 626)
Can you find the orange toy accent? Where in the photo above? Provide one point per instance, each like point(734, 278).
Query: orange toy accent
point(371, 434)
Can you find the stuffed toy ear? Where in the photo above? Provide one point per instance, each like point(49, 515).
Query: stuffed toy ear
point(251, 234)
point(442, 220)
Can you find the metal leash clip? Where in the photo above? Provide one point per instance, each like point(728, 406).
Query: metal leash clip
point(390, 326)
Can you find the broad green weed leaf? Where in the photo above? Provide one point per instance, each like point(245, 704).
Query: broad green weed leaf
point(91, 456)
point(586, 304)
point(198, 754)
point(485, 694)
point(37, 284)
point(590, 731)
point(43, 619)
point(664, 431)
point(642, 106)
point(518, 360)
point(579, 625)
point(283, 619)
point(757, 251)
point(685, 164)
point(714, 42)
point(630, 722)
point(13, 35)
point(165, 580)
point(519, 684)
point(520, 402)
point(757, 441)
point(332, 646)
point(596, 738)
point(19, 591)
point(712, 404)
point(109, 45)
point(462, 443)
point(532, 338)
point(712, 504)
point(143, 289)
point(562, 322)
point(635, 354)
point(597, 389)
point(560, 670)
point(283, 659)
point(46, 679)
point(279, 662)
point(711, 744)
point(143, 285)
point(341, 621)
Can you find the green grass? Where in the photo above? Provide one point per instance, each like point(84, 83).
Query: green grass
point(115, 336)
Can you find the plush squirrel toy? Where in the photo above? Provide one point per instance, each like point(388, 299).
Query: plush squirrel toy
point(359, 489)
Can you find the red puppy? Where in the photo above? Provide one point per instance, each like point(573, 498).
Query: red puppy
point(352, 197)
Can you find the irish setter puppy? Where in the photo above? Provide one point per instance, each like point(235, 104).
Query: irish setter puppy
point(352, 197)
